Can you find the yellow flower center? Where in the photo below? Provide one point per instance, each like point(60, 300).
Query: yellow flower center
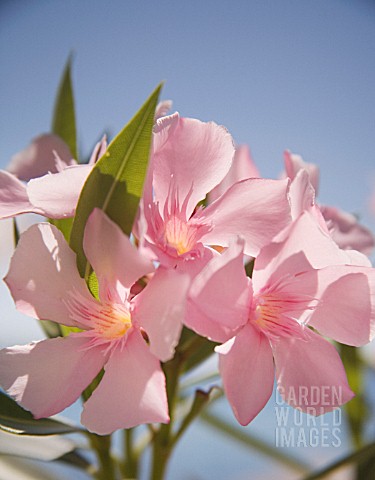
point(179, 235)
point(113, 321)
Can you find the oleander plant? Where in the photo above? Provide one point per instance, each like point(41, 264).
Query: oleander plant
point(164, 249)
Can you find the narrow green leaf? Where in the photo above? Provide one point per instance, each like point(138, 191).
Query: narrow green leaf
point(194, 349)
point(249, 267)
point(115, 184)
point(360, 457)
point(64, 122)
point(18, 468)
point(14, 419)
point(51, 329)
point(356, 409)
point(64, 225)
point(201, 399)
point(16, 233)
point(76, 459)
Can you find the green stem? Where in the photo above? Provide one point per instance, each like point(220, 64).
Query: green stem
point(162, 445)
point(131, 460)
point(164, 439)
point(357, 457)
point(102, 446)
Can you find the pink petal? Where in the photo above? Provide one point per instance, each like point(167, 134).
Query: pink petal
point(243, 167)
point(163, 108)
point(111, 254)
point(40, 157)
point(310, 374)
point(13, 197)
point(346, 309)
point(131, 392)
point(42, 274)
point(46, 377)
point(246, 367)
point(194, 154)
point(256, 209)
point(294, 163)
point(357, 258)
point(302, 194)
point(160, 310)
point(99, 150)
point(347, 232)
point(300, 247)
point(57, 194)
point(220, 296)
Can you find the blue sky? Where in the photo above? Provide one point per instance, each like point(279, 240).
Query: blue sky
point(292, 74)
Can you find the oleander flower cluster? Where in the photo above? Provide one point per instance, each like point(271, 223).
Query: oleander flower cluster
point(256, 266)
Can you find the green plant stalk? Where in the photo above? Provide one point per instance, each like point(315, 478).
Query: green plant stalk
point(164, 440)
point(130, 466)
point(102, 447)
point(162, 445)
point(357, 457)
point(101, 444)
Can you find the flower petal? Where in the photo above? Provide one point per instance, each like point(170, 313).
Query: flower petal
point(310, 374)
point(301, 246)
point(246, 367)
point(111, 254)
point(131, 392)
point(294, 163)
point(13, 197)
point(160, 310)
point(162, 109)
point(42, 273)
point(46, 377)
point(39, 157)
point(220, 296)
point(243, 167)
point(56, 194)
point(99, 150)
point(346, 308)
point(302, 194)
point(256, 209)
point(194, 154)
point(347, 232)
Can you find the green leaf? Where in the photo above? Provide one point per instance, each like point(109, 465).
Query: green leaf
point(64, 225)
point(14, 419)
point(356, 409)
point(194, 349)
point(64, 123)
point(51, 329)
point(201, 399)
point(38, 448)
point(249, 267)
point(16, 232)
point(75, 459)
point(364, 456)
point(115, 184)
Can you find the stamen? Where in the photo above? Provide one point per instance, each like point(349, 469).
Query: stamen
point(108, 321)
point(276, 312)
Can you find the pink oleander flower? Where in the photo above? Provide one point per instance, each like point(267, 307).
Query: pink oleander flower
point(344, 227)
point(189, 159)
point(301, 279)
point(54, 181)
point(47, 376)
